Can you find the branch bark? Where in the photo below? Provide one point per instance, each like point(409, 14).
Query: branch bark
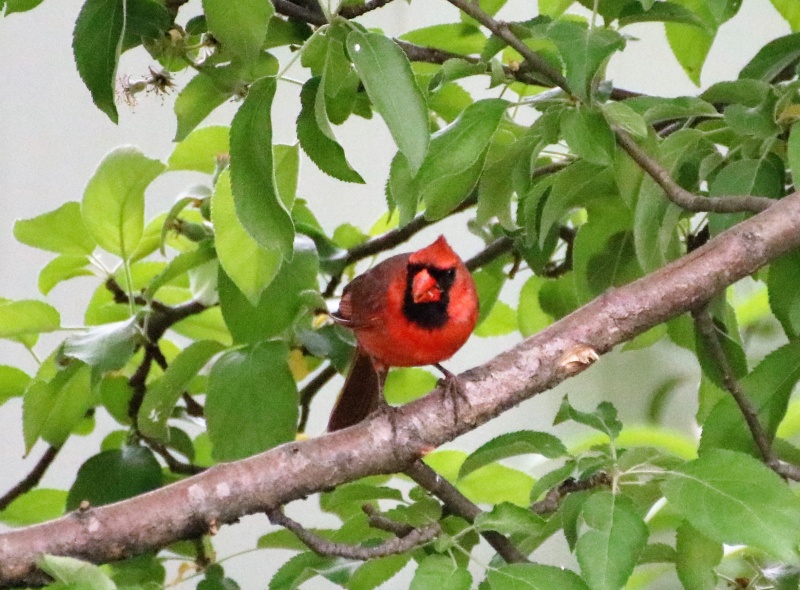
point(390, 444)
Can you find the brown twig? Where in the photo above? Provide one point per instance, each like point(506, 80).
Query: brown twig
point(491, 252)
point(359, 9)
point(310, 390)
point(416, 538)
point(379, 521)
point(459, 504)
point(173, 464)
point(292, 10)
point(31, 480)
point(552, 500)
point(708, 332)
point(682, 197)
point(533, 60)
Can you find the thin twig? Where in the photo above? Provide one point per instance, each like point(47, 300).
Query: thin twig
point(173, 464)
point(708, 332)
point(31, 480)
point(292, 10)
point(379, 521)
point(552, 500)
point(310, 390)
point(493, 251)
point(682, 197)
point(459, 504)
point(533, 60)
point(356, 10)
point(322, 546)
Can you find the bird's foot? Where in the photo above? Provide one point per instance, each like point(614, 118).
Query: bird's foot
point(454, 389)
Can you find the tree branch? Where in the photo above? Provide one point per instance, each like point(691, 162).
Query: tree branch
point(31, 480)
point(708, 332)
point(679, 195)
point(533, 60)
point(322, 546)
point(553, 498)
point(359, 9)
point(459, 504)
point(310, 390)
point(390, 444)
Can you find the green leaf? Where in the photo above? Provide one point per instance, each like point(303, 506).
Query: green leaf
point(531, 318)
point(106, 347)
point(62, 268)
point(400, 189)
point(783, 282)
point(258, 205)
point(27, 317)
point(162, 395)
point(604, 418)
point(588, 135)
point(689, 43)
point(115, 475)
point(509, 519)
point(404, 385)
point(489, 281)
point(278, 305)
point(241, 27)
point(251, 404)
point(574, 186)
point(377, 571)
point(13, 382)
point(624, 117)
point(656, 217)
point(734, 499)
point(792, 154)
point(609, 550)
point(200, 150)
point(440, 572)
point(13, 6)
point(33, 507)
point(697, 557)
point(201, 95)
point(554, 8)
point(773, 58)
point(531, 576)
point(456, 156)
point(584, 51)
point(287, 169)
point(633, 12)
point(251, 267)
point(97, 45)
point(113, 202)
point(387, 77)
point(790, 11)
point(502, 320)
point(656, 109)
point(74, 573)
point(512, 444)
point(51, 410)
point(299, 569)
point(347, 499)
point(326, 153)
point(60, 231)
point(456, 38)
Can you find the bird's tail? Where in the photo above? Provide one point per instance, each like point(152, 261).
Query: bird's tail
point(361, 395)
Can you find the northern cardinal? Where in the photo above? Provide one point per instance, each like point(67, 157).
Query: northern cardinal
point(410, 310)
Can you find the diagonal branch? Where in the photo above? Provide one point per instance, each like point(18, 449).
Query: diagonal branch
point(708, 332)
point(459, 504)
point(679, 195)
point(390, 443)
point(534, 61)
point(31, 480)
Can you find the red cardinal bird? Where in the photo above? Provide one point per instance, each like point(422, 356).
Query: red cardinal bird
point(410, 310)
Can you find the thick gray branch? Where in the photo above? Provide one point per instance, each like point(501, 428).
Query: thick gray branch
point(227, 492)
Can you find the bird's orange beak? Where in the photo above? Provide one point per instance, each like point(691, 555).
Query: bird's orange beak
point(424, 288)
